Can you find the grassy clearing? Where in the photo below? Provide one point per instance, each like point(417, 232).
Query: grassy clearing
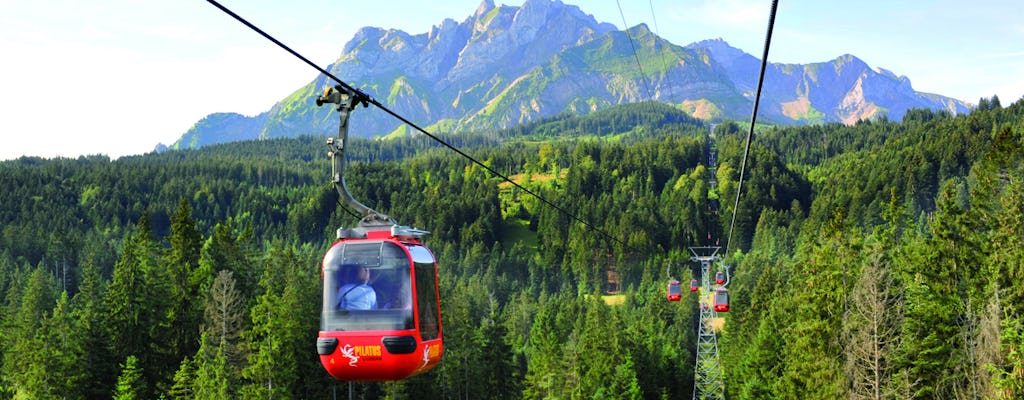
point(614, 299)
point(518, 230)
point(535, 178)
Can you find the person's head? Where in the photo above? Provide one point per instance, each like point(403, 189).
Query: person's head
point(362, 274)
point(357, 274)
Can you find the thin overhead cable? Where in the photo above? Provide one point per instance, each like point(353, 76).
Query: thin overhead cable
point(753, 119)
point(658, 40)
point(636, 55)
point(374, 101)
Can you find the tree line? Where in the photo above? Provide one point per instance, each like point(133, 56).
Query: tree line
point(871, 261)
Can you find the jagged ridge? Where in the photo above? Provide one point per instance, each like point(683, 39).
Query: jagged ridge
point(505, 65)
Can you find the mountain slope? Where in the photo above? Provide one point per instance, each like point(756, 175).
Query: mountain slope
point(504, 66)
point(841, 90)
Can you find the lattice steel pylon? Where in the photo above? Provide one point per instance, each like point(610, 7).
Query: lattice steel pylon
point(708, 379)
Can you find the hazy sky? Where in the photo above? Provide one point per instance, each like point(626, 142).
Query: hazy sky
point(117, 77)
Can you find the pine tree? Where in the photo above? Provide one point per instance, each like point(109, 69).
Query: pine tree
point(130, 384)
point(224, 251)
point(933, 353)
point(184, 379)
point(459, 353)
point(872, 329)
point(211, 373)
point(601, 355)
point(545, 377)
point(992, 199)
point(812, 356)
point(136, 307)
point(1010, 376)
point(495, 353)
point(181, 262)
point(275, 335)
point(126, 299)
point(67, 350)
point(89, 313)
point(24, 367)
point(1007, 259)
point(224, 321)
point(1006, 180)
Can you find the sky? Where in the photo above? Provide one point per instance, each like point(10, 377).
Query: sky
point(117, 77)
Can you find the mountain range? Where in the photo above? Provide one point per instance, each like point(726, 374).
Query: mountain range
point(505, 65)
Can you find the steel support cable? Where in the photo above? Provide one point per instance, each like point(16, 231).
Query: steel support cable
point(643, 77)
point(753, 119)
point(664, 61)
point(373, 101)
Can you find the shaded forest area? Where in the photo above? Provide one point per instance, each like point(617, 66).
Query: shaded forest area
point(879, 260)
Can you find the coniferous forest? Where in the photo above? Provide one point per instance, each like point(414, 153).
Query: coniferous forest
point(881, 260)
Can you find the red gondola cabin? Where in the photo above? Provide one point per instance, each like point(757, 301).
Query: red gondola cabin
point(381, 318)
point(675, 293)
point(719, 278)
point(721, 300)
point(693, 285)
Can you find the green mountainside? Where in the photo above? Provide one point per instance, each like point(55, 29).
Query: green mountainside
point(231, 127)
point(879, 257)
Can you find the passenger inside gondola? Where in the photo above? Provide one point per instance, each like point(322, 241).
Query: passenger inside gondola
point(401, 298)
point(357, 294)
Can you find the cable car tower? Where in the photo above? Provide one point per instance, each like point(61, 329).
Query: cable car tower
point(709, 379)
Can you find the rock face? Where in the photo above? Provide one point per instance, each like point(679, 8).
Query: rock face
point(505, 65)
point(843, 90)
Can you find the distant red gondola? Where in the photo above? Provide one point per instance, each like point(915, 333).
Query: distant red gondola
point(693, 285)
point(675, 293)
point(721, 300)
point(719, 278)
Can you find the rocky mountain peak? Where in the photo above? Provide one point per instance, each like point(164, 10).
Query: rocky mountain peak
point(849, 62)
point(505, 65)
point(485, 7)
point(722, 51)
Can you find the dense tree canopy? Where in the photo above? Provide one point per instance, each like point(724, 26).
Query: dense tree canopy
point(878, 260)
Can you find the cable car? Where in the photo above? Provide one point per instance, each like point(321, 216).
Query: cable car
point(381, 314)
point(719, 278)
point(675, 293)
point(693, 285)
point(721, 300)
point(381, 317)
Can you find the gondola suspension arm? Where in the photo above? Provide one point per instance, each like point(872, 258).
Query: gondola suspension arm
point(347, 101)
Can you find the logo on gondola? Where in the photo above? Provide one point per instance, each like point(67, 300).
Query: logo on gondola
point(349, 352)
point(431, 351)
point(366, 352)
